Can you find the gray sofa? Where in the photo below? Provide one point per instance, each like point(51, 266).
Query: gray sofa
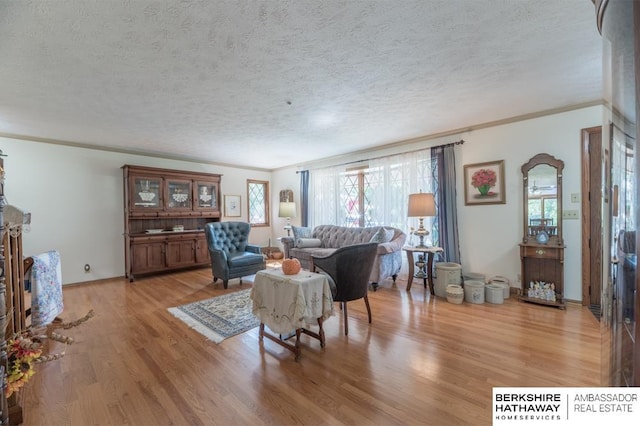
point(325, 239)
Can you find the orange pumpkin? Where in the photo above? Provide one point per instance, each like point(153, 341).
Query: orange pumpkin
point(291, 266)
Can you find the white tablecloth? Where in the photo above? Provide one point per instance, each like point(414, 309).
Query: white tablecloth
point(285, 303)
point(46, 288)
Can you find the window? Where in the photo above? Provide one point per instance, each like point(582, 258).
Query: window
point(352, 199)
point(258, 196)
point(543, 209)
point(375, 193)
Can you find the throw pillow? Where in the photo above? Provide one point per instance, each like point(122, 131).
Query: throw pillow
point(389, 233)
point(378, 237)
point(308, 243)
point(300, 232)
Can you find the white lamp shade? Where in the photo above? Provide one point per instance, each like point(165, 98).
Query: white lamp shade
point(287, 209)
point(421, 205)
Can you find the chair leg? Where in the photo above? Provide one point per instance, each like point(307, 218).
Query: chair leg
point(225, 283)
point(366, 302)
point(346, 321)
point(394, 276)
point(240, 280)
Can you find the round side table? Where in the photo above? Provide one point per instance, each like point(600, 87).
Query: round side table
point(425, 266)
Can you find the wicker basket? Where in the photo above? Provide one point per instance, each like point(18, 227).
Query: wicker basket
point(455, 294)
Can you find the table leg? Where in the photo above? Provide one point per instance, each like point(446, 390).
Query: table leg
point(321, 332)
point(429, 269)
point(319, 335)
point(410, 277)
point(296, 349)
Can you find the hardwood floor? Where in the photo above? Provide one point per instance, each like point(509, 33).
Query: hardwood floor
point(421, 361)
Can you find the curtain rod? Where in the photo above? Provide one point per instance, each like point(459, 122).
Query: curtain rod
point(460, 142)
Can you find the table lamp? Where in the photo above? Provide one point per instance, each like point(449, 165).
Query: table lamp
point(287, 209)
point(421, 205)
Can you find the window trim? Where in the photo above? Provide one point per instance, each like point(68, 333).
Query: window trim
point(267, 210)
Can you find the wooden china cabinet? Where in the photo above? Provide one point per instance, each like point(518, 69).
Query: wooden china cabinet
point(542, 247)
point(165, 214)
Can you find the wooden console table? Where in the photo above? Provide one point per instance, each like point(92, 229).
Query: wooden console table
point(290, 303)
point(426, 271)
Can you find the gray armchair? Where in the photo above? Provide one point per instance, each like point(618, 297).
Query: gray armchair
point(231, 254)
point(348, 269)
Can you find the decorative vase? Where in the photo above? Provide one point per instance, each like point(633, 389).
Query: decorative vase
point(484, 189)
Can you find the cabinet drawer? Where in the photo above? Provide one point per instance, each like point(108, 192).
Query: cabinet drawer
point(143, 214)
point(542, 252)
point(145, 240)
point(181, 237)
point(211, 214)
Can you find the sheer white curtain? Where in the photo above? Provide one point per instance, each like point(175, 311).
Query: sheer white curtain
point(389, 181)
point(324, 196)
point(394, 178)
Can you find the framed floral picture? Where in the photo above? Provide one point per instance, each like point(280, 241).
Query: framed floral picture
point(484, 183)
point(232, 205)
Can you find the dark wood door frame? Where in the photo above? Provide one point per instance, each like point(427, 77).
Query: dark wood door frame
point(591, 215)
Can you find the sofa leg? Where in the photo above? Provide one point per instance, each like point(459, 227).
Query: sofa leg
point(394, 276)
point(225, 283)
point(374, 286)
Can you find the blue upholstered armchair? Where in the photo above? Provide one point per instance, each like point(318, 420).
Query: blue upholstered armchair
point(231, 254)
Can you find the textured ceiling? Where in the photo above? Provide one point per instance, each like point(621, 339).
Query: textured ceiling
point(275, 83)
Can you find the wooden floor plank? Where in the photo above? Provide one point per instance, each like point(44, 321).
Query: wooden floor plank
point(422, 360)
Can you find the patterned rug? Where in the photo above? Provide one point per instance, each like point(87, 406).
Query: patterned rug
point(219, 317)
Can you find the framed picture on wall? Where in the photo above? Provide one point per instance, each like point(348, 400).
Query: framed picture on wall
point(232, 205)
point(484, 183)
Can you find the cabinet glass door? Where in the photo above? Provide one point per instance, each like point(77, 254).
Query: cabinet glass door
point(620, 30)
point(146, 192)
point(179, 195)
point(206, 195)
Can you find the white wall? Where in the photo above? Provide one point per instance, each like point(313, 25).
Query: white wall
point(75, 196)
point(490, 234)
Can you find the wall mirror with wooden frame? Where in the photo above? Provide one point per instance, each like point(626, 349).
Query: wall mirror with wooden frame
point(542, 247)
point(286, 196)
point(542, 200)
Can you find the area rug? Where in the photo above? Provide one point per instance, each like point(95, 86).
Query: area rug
point(219, 317)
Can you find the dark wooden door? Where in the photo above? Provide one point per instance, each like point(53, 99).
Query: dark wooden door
point(591, 215)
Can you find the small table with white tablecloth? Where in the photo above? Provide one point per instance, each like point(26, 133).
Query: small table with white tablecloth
point(290, 303)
